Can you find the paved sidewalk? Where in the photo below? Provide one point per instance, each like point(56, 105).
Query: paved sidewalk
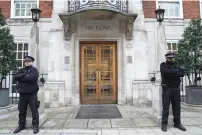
point(135, 121)
point(191, 130)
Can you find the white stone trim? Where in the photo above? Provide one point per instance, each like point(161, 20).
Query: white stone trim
point(121, 64)
point(172, 17)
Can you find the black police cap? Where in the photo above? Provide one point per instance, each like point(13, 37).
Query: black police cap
point(170, 55)
point(29, 58)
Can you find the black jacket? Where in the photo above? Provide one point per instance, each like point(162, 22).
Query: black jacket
point(27, 80)
point(171, 74)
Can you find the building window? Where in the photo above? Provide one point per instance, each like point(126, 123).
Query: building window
point(173, 8)
point(201, 8)
point(21, 51)
point(22, 8)
point(172, 47)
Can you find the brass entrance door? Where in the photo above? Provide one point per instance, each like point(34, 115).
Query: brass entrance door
point(98, 73)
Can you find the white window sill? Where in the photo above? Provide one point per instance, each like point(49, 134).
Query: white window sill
point(173, 17)
point(21, 17)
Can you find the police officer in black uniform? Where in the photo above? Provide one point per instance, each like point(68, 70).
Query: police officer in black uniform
point(171, 74)
point(27, 87)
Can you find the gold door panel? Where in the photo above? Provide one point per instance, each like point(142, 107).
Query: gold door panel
point(98, 78)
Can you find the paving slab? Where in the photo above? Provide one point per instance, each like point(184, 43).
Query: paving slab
point(47, 133)
point(76, 123)
point(54, 123)
point(128, 132)
point(74, 113)
point(197, 120)
point(63, 115)
point(144, 131)
point(88, 131)
point(77, 134)
point(117, 123)
point(50, 114)
point(179, 132)
point(144, 122)
point(195, 130)
point(188, 122)
point(110, 132)
point(146, 134)
point(4, 131)
point(190, 114)
point(158, 131)
point(4, 117)
point(67, 109)
point(99, 123)
point(8, 125)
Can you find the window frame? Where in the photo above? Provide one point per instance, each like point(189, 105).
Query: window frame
point(13, 11)
point(200, 4)
point(180, 10)
point(16, 51)
point(171, 41)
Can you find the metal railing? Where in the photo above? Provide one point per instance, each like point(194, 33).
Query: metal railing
point(10, 84)
point(76, 5)
point(189, 81)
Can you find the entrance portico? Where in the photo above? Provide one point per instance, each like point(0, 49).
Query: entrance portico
point(97, 24)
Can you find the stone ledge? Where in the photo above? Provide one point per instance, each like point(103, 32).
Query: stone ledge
point(192, 106)
point(8, 109)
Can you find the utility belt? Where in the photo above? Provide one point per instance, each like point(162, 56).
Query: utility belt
point(169, 86)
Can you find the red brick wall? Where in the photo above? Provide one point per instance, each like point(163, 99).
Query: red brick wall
point(149, 7)
point(191, 9)
point(5, 8)
point(46, 8)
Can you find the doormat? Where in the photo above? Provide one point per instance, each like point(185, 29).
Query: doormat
point(98, 112)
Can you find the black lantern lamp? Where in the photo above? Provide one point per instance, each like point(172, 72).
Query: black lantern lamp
point(35, 14)
point(160, 14)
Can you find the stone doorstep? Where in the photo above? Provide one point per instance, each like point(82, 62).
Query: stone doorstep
point(8, 109)
point(192, 106)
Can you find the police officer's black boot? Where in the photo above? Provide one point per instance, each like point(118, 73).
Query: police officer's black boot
point(18, 129)
point(35, 129)
point(164, 127)
point(180, 127)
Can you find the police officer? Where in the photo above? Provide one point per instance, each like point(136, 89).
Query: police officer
point(27, 87)
point(171, 74)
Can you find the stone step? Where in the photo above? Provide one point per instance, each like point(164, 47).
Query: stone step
point(8, 109)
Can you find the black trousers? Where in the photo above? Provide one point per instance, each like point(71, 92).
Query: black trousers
point(32, 101)
point(171, 95)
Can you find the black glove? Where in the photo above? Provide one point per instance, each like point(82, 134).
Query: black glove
point(38, 104)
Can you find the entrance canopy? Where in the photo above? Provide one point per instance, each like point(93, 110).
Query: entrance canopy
point(97, 11)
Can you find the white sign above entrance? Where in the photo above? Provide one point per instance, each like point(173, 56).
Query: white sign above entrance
point(98, 27)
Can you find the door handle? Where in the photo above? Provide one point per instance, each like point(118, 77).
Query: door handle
point(97, 75)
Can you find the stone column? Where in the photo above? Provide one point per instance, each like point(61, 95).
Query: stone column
point(157, 89)
point(54, 58)
point(55, 42)
point(54, 86)
point(140, 86)
point(42, 115)
point(161, 49)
